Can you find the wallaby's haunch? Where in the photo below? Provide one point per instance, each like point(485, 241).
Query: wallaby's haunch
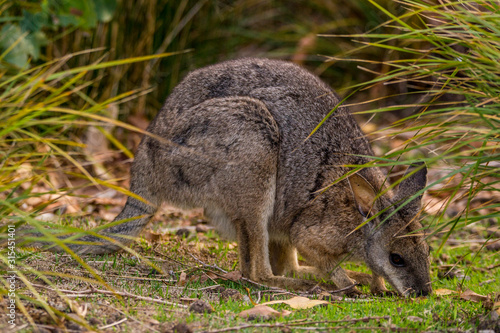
point(231, 139)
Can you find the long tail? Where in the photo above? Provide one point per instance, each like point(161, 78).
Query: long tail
point(136, 215)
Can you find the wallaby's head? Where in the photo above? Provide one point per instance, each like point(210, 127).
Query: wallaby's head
point(395, 247)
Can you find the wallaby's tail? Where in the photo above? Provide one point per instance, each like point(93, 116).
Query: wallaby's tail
point(135, 216)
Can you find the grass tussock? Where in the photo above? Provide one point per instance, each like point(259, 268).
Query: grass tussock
point(448, 60)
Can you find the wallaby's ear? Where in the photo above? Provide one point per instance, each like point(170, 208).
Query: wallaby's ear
point(364, 194)
point(411, 185)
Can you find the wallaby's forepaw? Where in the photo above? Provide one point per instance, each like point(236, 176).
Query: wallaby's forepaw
point(384, 292)
point(353, 292)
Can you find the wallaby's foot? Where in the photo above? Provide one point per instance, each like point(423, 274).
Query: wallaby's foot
point(376, 283)
point(308, 272)
point(384, 293)
point(284, 282)
point(377, 287)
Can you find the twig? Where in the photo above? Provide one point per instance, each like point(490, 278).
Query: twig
point(493, 266)
point(486, 282)
point(343, 289)
point(21, 327)
point(113, 324)
point(143, 278)
point(50, 328)
point(243, 278)
point(208, 266)
point(107, 292)
point(196, 289)
point(149, 328)
point(353, 320)
point(309, 328)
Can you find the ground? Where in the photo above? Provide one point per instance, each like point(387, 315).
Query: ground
point(180, 260)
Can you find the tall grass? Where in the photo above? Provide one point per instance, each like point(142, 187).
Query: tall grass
point(448, 55)
point(41, 150)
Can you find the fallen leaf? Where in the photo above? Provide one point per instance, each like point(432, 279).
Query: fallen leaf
point(233, 276)
point(200, 306)
point(444, 292)
point(415, 319)
point(208, 276)
point(152, 237)
point(80, 310)
point(299, 302)
point(262, 312)
point(469, 295)
point(231, 294)
point(496, 307)
point(182, 279)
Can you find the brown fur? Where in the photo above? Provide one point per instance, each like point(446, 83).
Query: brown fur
point(234, 143)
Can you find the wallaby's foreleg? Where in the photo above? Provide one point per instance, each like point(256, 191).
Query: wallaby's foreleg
point(254, 258)
point(377, 285)
point(376, 282)
point(283, 258)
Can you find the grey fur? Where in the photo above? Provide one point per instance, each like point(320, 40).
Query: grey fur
point(235, 145)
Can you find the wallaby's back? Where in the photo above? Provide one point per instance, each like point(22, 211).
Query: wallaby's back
point(297, 101)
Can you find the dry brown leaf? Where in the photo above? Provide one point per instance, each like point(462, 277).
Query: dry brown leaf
point(444, 292)
point(200, 306)
point(233, 276)
point(262, 312)
point(80, 310)
point(208, 276)
point(152, 237)
point(469, 295)
point(188, 300)
point(299, 302)
point(182, 279)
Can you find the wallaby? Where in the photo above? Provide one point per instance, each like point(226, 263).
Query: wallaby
point(231, 138)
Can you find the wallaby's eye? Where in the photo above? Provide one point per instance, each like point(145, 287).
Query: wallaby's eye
point(396, 260)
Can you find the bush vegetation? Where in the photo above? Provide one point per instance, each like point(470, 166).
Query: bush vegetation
point(425, 72)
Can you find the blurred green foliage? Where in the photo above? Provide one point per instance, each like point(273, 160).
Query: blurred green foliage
point(211, 30)
point(26, 24)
